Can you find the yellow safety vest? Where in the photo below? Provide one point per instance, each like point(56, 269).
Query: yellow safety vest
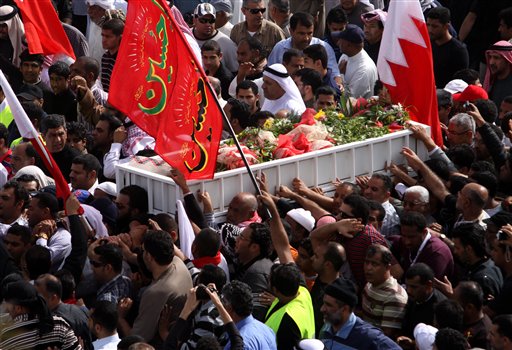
point(6, 116)
point(299, 309)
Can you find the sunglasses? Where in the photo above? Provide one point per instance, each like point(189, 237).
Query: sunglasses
point(206, 20)
point(256, 11)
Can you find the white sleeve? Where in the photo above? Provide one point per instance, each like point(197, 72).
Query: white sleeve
point(110, 160)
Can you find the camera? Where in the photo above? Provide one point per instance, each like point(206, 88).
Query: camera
point(202, 294)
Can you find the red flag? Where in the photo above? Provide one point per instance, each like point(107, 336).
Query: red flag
point(159, 84)
point(43, 29)
point(405, 63)
point(28, 131)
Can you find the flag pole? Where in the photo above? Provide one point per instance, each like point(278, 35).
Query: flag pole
point(224, 116)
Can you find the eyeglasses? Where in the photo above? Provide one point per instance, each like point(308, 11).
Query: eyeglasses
point(96, 263)
point(255, 11)
point(451, 132)
point(206, 20)
point(412, 203)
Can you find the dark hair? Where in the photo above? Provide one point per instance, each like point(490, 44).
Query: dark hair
point(260, 235)
point(20, 193)
point(208, 342)
point(479, 166)
point(386, 257)
point(247, 84)
point(450, 339)
point(110, 254)
point(138, 197)
point(470, 76)
point(301, 18)
point(51, 284)
point(34, 112)
point(470, 292)
point(115, 25)
point(241, 112)
point(505, 128)
point(325, 90)
point(310, 77)
point(104, 313)
point(359, 205)
point(449, 313)
point(285, 278)
point(316, 52)
point(4, 134)
point(439, 167)
point(68, 283)
point(78, 129)
point(473, 235)
point(386, 179)
point(333, 255)
point(129, 340)
point(24, 232)
point(159, 245)
point(166, 222)
point(91, 65)
point(306, 244)
point(461, 156)
point(440, 13)
point(254, 45)
point(423, 271)
point(212, 274)
point(444, 98)
point(207, 242)
point(504, 323)
point(112, 120)
point(239, 296)
point(60, 69)
point(52, 121)
point(47, 200)
point(26, 56)
point(38, 260)
point(88, 162)
point(291, 53)
point(211, 45)
point(336, 15)
point(487, 109)
point(488, 180)
point(413, 219)
point(374, 205)
point(506, 16)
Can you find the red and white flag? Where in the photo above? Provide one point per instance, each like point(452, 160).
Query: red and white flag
point(28, 131)
point(405, 64)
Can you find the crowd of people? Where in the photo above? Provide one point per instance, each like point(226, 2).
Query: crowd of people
point(416, 257)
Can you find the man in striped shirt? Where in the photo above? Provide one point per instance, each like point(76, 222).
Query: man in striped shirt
point(33, 326)
point(111, 33)
point(384, 300)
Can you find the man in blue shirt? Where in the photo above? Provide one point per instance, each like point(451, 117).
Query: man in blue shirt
point(238, 301)
point(343, 330)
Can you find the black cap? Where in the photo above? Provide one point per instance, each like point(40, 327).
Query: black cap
point(353, 34)
point(343, 290)
point(499, 219)
point(30, 92)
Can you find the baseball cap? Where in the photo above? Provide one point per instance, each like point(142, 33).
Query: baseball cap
point(204, 9)
point(456, 85)
point(30, 92)
point(222, 5)
point(302, 217)
point(471, 93)
point(353, 34)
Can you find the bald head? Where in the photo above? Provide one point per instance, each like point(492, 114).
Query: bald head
point(477, 194)
point(241, 208)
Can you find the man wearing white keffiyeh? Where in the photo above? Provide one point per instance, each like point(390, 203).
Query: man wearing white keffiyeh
point(12, 35)
point(281, 93)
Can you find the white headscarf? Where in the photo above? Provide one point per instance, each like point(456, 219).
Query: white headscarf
point(9, 15)
point(291, 100)
point(95, 219)
point(104, 4)
point(37, 173)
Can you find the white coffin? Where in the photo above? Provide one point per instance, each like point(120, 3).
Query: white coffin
point(318, 168)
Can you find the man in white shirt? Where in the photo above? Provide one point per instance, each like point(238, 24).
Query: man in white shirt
point(85, 170)
point(358, 69)
point(13, 200)
point(103, 324)
point(281, 93)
